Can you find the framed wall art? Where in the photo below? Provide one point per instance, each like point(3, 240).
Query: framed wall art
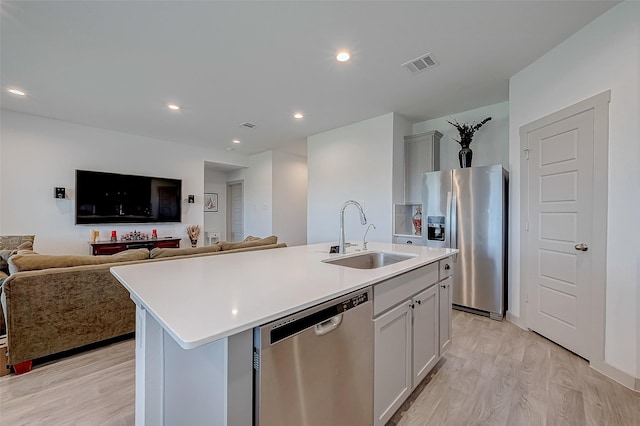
point(211, 202)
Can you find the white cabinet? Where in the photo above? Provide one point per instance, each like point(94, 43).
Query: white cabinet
point(425, 333)
point(446, 292)
point(406, 337)
point(445, 288)
point(422, 154)
point(402, 239)
point(392, 371)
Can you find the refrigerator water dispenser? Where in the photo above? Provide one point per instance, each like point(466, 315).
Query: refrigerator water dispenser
point(435, 228)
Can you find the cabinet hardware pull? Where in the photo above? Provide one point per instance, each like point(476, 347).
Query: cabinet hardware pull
point(447, 267)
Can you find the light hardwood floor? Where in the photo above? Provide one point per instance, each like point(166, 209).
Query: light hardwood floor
point(493, 374)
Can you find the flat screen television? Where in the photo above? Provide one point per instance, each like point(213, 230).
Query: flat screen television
point(116, 198)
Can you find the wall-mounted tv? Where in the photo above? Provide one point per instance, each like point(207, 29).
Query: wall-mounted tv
point(117, 198)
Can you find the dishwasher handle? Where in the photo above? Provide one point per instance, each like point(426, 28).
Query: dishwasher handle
point(328, 326)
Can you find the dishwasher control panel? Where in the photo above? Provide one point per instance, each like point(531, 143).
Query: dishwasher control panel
point(353, 302)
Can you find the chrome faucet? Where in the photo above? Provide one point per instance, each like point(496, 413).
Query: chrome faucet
point(364, 239)
point(363, 220)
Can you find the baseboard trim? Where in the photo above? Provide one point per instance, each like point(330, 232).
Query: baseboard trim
point(619, 376)
point(515, 319)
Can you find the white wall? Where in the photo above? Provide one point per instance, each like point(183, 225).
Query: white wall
point(603, 55)
point(353, 162)
point(275, 196)
point(216, 181)
point(401, 128)
point(257, 191)
point(290, 198)
point(490, 143)
point(39, 154)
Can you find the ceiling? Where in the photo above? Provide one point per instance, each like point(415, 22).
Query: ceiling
point(116, 65)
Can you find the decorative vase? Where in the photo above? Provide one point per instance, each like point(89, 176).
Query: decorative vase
point(194, 242)
point(465, 155)
point(417, 221)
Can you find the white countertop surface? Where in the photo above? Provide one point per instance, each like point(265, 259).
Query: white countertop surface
point(202, 299)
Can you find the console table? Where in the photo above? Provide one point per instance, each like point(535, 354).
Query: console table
point(99, 248)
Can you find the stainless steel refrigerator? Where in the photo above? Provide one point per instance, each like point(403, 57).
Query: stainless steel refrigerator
point(467, 209)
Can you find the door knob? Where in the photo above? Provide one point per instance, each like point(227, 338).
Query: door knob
point(581, 247)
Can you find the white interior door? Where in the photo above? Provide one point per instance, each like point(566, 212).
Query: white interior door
point(235, 211)
point(560, 216)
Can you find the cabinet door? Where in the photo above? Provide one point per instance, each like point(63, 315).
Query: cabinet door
point(168, 244)
point(392, 362)
point(446, 299)
point(425, 333)
point(422, 154)
point(108, 249)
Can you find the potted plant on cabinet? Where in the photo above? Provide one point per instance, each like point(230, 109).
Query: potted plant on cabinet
point(466, 132)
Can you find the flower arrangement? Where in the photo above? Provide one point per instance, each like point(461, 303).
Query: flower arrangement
point(193, 231)
point(466, 130)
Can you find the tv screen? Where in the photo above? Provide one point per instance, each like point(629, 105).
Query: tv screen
point(116, 198)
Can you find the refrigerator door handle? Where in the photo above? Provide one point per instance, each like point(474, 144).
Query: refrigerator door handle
point(454, 221)
point(448, 220)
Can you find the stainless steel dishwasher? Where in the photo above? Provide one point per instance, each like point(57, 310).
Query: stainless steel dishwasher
point(315, 367)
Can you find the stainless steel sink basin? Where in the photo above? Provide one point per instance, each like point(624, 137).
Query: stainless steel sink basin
point(370, 259)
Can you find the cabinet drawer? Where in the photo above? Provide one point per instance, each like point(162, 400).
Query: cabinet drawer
point(395, 290)
point(446, 268)
point(416, 241)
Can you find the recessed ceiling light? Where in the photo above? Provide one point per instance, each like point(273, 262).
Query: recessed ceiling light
point(298, 115)
point(173, 107)
point(343, 56)
point(236, 141)
point(16, 92)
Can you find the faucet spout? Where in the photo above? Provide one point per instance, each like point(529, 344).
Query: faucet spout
point(363, 220)
point(364, 239)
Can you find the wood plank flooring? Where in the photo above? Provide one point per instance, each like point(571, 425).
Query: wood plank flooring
point(493, 374)
point(500, 375)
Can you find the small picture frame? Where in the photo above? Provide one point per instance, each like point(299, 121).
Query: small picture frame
point(211, 202)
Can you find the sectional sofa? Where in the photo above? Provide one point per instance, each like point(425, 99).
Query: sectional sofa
point(53, 304)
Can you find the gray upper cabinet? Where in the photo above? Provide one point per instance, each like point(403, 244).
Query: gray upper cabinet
point(422, 154)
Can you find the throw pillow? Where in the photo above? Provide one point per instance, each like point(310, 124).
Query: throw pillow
point(13, 241)
point(252, 243)
point(4, 257)
point(27, 245)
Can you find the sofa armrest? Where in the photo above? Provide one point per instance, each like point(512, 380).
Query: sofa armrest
point(54, 310)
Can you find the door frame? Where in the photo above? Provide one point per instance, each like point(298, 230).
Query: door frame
point(597, 320)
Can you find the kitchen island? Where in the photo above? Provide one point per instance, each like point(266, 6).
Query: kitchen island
point(195, 320)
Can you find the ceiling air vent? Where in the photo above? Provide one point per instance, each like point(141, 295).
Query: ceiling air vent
point(248, 125)
point(421, 63)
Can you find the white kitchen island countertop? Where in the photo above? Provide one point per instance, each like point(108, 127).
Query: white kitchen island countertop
point(202, 299)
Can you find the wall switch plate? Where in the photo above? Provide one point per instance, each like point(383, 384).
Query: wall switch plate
point(192, 199)
point(59, 193)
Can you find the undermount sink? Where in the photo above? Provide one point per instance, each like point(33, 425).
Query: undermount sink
point(370, 260)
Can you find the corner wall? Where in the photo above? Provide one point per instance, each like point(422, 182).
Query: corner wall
point(275, 196)
point(353, 162)
point(216, 182)
point(290, 198)
point(604, 55)
point(40, 153)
